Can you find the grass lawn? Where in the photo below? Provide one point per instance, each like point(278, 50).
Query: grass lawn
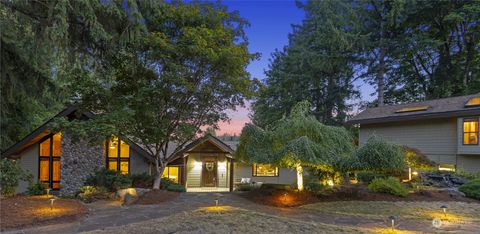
point(226, 219)
point(456, 211)
point(22, 211)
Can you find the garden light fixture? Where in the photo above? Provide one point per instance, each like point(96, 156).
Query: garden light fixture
point(392, 221)
point(444, 208)
point(216, 202)
point(51, 203)
point(48, 192)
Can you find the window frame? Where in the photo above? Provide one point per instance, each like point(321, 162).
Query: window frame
point(118, 159)
point(167, 169)
point(50, 159)
point(476, 132)
point(255, 173)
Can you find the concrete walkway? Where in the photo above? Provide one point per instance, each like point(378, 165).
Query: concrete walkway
point(107, 214)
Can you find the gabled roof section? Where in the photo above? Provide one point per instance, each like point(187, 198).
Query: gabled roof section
point(198, 142)
point(42, 131)
point(438, 108)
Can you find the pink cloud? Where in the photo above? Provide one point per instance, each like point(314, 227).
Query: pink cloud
point(238, 118)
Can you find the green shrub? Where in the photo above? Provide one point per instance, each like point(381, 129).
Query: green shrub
point(10, 175)
point(176, 188)
point(143, 180)
point(468, 175)
point(390, 185)
point(276, 187)
point(367, 177)
point(109, 179)
point(165, 182)
point(471, 189)
point(315, 187)
point(381, 156)
point(92, 193)
point(37, 188)
point(245, 187)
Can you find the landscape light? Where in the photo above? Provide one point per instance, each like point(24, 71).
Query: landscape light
point(392, 221)
point(444, 208)
point(285, 197)
point(48, 192)
point(51, 203)
point(216, 201)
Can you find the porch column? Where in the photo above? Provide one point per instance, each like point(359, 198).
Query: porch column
point(231, 174)
point(184, 171)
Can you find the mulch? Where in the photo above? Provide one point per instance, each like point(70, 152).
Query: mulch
point(285, 198)
point(25, 211)
point(156, 196)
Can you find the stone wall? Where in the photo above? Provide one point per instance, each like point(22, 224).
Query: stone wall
point(79, 160)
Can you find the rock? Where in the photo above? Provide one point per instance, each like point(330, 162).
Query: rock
point(129, 199)
point(74, 174)
point(452, 192)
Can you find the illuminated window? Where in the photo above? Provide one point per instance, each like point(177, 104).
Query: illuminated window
point(412, 109)
point(470, 131)
point(49, 165)
point(264, 170)
point(446, 167)
point(475, 101)
point(114, 148)
point(172, 173)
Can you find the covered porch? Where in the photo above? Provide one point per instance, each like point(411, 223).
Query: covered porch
point(205, 165)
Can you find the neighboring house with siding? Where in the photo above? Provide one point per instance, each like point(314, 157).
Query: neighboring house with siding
point(63, 163)
point(445, 130)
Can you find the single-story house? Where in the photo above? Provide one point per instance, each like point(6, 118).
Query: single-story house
point(63, 163)
point(445, 130)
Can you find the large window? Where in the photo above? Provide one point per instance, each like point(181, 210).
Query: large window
point(470, 131)
point(49, 161)
point(264, 170)
point(117, 155)
point(171, 173)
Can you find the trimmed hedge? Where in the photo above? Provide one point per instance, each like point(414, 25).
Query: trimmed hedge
point(471, 189)
point(390, 185)
point(109, 179)
point(176, 188)
point(367, 177)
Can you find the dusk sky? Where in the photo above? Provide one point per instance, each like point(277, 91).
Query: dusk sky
point(271, 22)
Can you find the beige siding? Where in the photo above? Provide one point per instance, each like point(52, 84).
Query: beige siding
point(465, 149)
point(468, 163)
point(437, 138)
point(138, 163)
point(194, 171)
point(285, 175)
point(29, 162)
point(222, 172)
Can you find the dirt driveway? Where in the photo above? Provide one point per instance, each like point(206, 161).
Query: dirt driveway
point(192, 208)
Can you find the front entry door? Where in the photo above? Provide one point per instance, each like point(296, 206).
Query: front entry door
point(209, 173)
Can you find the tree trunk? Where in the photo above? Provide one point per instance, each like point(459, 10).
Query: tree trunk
point(299, 177)
point(380, 77)
point(160, 167)
point(346, 178)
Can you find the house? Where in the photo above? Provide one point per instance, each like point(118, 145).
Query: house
point(63, 163)
point(445, 130)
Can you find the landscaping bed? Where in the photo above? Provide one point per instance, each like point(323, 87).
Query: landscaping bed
point(23, 211)
point(155, 197)
point(291, 198)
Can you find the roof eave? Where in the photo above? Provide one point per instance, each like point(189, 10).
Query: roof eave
point(449, 114)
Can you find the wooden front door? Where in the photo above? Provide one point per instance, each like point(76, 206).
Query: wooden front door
point(209, 173)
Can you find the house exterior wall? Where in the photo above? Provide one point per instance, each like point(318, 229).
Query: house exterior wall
point(79, 160)
point(138, 163)
point(441, 140)
point(466, 149)
point(285, 175)
point(194, 170)
point(28, 161)
point(436, 138)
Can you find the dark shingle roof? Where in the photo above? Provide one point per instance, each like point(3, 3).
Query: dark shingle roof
point(438, 108)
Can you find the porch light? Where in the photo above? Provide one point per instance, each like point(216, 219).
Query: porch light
point(392, 221)
point(197, 165)
point(52, 200)
point(444, 209)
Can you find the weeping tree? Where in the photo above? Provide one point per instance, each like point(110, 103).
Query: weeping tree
point(297, 141)
point(380, 155)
